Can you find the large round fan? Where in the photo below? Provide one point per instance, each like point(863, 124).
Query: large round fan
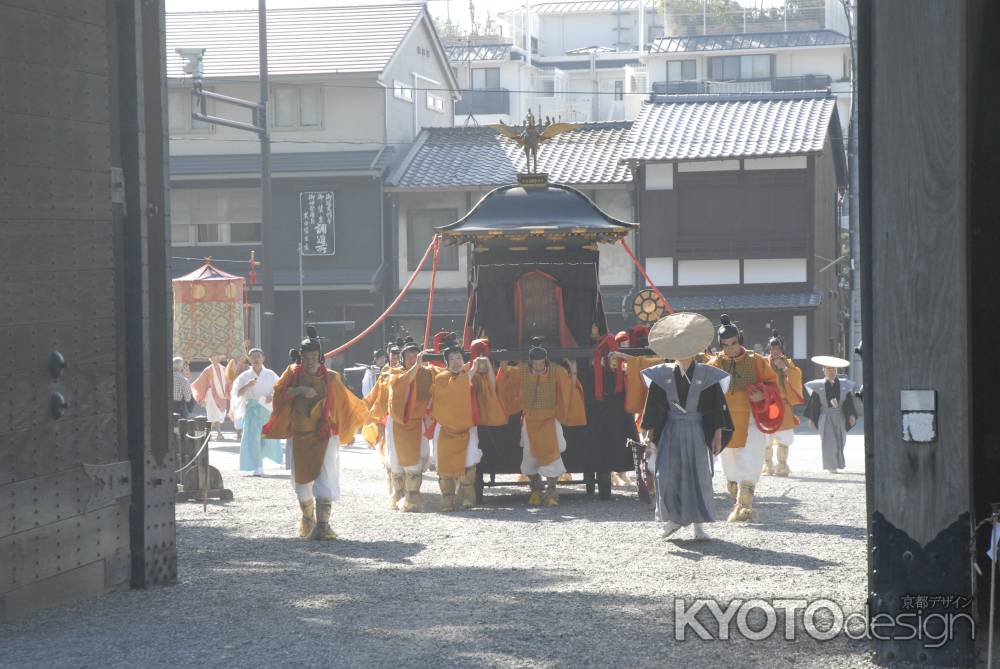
point(647, 306)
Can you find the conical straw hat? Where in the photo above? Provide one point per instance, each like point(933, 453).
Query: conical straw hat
point(681, 335)
point(830, 361)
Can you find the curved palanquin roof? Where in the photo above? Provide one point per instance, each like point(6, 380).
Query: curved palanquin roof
point(543, 212)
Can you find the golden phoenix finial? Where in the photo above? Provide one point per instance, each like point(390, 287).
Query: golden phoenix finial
point(533, 133)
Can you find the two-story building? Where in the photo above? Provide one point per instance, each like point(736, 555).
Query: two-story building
point(350, 88)
point(803, 60)
point(567, 60)
point(448, 170)
point(739, 202)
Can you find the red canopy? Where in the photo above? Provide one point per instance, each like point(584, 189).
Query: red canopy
point(208, 313)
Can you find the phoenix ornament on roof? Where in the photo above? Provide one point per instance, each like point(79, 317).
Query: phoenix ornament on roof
point(533, 133)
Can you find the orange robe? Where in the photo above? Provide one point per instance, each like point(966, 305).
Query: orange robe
point(791, 393)
point(755, 369)
point(635, 387)
point(459, 404)
point(377, 402)
point(544, 399)
point(408, 399)
point(309, 423)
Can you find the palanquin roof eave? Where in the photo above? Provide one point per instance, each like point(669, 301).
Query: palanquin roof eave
point(549, 213)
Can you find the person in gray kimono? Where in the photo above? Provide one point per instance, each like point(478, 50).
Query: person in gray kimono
point(831, 409)
point(685, 421)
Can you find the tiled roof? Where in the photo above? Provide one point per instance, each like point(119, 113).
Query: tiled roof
point(315, 40)
point(715, 127)
point(737, 302)
point(480, 157)
point(460, 53)
point(313, 161)
point(740, 41)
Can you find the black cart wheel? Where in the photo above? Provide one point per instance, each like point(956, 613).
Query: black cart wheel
point(604, 485)
point(479, 487)
point(591, 482)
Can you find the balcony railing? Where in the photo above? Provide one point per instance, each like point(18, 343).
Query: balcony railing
point(491, 101)
point(805, 82)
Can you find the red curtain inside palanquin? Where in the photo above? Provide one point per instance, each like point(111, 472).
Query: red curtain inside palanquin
point(538, 310)
point(492, 307)
point(208, 313)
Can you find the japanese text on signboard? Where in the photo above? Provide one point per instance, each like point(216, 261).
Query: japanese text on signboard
point(316, 212)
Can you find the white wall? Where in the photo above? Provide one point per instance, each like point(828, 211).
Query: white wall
point(795, 62)
point(432, 200)
point(775, 270)
point(707, 272)
point(349, 114)
point(559, 33)
point(616, 267)
point(800, 337)
point(660, 270)
point(408, 60)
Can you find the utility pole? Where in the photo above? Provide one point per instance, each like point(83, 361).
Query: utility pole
point(854, 210)
point(194, 65)
point(267, 304)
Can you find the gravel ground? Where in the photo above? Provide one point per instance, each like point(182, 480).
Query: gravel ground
point(589, 583)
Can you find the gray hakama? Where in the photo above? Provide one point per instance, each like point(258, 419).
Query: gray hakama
point(683, 465)
point(831, 421)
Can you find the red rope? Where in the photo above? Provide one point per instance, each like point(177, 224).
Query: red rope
point(430, 299)
point(649, 281)
point(389, 309)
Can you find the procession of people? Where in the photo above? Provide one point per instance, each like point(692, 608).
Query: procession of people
point(698, 396)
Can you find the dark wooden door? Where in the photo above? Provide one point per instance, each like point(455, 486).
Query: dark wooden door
point(65, 477)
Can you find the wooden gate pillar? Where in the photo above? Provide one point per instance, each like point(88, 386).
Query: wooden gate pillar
point(915, 61)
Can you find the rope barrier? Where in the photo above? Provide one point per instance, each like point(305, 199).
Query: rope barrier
point(385, 314)
point(430, 298)
point(197, 455)
point(642, 271)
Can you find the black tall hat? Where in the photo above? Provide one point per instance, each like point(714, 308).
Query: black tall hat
point(726, 328)
point(410, 345)
point(776, 340)
point(536, 351)
point(311, 341)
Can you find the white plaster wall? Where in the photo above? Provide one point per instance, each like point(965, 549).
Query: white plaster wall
point(660, 270)
point(616, 267)
point(708, 272)
point(709, 166)
point(350, 114)
point(407, 61)
point(432, 200)
point(775, 270)
point(779, 163)
point(795, 62)
point(559, 33)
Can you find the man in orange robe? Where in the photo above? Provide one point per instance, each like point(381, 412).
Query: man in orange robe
point(316, 412)
point(549, 398)
point(406, 438)
point(374, 430)
point(463, 396)
point(790, 385)
point(743, 459)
